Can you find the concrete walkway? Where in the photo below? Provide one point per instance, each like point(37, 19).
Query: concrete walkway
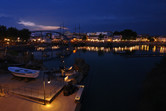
point(38, 91)
point(12, 102)
point(15, 103)
point(34, 88)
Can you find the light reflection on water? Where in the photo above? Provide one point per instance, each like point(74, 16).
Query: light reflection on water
point(137, 50)
point(159, 49)
point(94, 48)
point(44, 48)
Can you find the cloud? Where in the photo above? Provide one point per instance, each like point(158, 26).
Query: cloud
point(38, 27)
point(30, 24)
point(42, 27)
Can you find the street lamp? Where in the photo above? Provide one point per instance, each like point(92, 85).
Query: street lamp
point(44, 85)
point(49, 80)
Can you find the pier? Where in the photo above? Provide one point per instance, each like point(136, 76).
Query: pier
point(23, 91)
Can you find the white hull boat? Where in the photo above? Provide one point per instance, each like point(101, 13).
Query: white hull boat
point(22, 72)
point(67, 73)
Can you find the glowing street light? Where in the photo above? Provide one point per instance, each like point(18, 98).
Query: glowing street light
point(49, 80)
point(44, 85)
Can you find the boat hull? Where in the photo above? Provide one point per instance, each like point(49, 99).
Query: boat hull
point(26, 75)
point(21, 73)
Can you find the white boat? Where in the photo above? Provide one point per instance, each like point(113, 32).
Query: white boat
point(70, 73)
point(22, 72)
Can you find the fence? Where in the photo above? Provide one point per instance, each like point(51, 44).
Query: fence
point(33, 92)
point(50, 90)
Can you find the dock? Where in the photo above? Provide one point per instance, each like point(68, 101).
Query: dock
point(79, 93)
point(30, 95)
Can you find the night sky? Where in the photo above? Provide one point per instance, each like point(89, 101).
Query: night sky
point(142, 16)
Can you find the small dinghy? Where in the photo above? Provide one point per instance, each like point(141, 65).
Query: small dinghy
point(22, 72)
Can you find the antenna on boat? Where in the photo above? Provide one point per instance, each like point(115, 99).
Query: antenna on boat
point(79, 30)
point(63, 28)
point(60, 31)
point(75, 28)
point(62, 64)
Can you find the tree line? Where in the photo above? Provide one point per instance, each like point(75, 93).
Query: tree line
point(13, 33)
point(127, 34)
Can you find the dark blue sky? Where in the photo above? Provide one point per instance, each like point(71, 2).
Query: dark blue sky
point(142, 16)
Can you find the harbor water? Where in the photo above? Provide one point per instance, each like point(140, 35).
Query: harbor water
point(115, 81)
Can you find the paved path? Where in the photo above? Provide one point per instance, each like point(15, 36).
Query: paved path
point(33, 88)
point(16, 103)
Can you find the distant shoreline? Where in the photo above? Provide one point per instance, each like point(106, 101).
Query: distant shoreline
point(82, 43)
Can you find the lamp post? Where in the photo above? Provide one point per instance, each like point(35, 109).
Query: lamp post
point(44, 87)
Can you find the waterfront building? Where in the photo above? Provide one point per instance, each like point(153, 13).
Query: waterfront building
point(35, 39)
point(77, 36)
point(46, 37)
point(117, 38)
point(68, 34)
point(94, 36)
point(98, 33)
point(142, 39)
point(107, 38)
point(161, 39)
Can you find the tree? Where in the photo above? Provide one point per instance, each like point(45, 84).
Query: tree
point(12, 33)
point(3, 31)
point(128, 34)
point(24, 34)
point(84, 37)
point(101, 36)
point(151, 39)
point(117, 33)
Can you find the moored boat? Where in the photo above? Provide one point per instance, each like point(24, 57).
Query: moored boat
point(23, 72)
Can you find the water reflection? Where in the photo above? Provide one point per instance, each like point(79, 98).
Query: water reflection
point(132, 48)
point(154, 49)
point(55, 47)
point(45, 48)
point(40, 48)
point(162, 49)
point(87, 48)
point(138, 48)
point(148, 48)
